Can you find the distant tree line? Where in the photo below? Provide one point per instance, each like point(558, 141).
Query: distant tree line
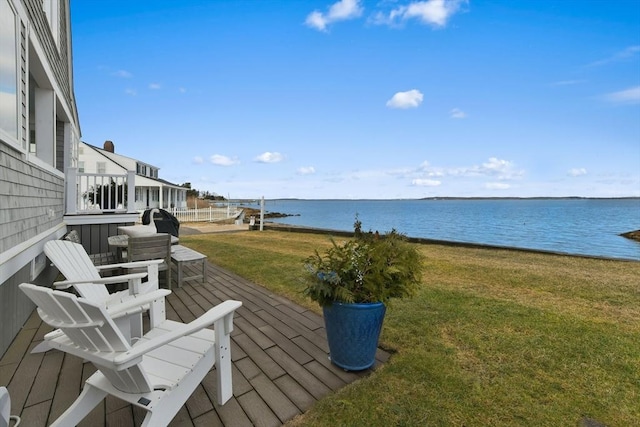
point(196, 194)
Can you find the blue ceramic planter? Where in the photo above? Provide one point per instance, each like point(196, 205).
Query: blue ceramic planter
point(352, 332)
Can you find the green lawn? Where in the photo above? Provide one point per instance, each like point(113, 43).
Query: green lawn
point(494, 337)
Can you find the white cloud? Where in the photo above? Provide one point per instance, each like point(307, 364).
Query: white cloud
point(182, 90)
point(497, 186)
point(131, 92)
point(626, 53)
point(425, 182)
point(339, 11)
point(435, 13)
point(577, 172)
point(306, 170)
point(122, 73)
point(502, 169)
point(409, 99)
point(457, 113)
point(269, 157)
point(568, 82)
point(494, 167)
point(627, 96)
point(154, 86)
point(198, 160)
point(220, 160)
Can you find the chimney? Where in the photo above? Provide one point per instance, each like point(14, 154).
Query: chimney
point(108, 146)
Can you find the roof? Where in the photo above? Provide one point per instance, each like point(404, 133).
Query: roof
point(118, 160)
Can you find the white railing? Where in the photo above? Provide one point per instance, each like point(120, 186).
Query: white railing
point(208, 214)
point(99, 193)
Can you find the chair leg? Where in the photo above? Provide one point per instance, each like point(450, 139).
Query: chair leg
point(88, 399)
point(223, 329)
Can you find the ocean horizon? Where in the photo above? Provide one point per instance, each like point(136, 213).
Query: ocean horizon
point(570, 225)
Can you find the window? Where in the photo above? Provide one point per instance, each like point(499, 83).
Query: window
point(80, 166)
point(8, 71)
point(101, 167)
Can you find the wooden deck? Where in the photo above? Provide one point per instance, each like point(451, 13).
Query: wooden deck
point(280, 363)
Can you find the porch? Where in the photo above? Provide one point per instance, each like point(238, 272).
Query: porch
point(279, 352)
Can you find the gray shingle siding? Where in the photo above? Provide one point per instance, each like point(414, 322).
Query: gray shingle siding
point(32, 199)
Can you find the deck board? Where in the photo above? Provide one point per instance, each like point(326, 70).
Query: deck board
point(279, 356)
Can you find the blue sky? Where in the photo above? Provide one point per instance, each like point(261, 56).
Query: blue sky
point(367, 99)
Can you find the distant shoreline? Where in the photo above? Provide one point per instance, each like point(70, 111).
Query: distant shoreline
point(427, 241)
point(471, 198)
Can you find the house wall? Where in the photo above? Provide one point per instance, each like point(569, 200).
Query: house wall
point(57, 55)
point(30, 214)
point(31, 198)
point(91, 157)
point(32, 185)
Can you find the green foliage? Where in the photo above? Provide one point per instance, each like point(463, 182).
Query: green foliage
point(369, 268)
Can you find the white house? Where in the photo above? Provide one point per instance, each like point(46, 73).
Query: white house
point(150, 190)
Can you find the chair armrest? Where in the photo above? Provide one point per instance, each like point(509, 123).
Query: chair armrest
point(65, 284)
point(135, 303)
point(134, 264)
point(141, 348)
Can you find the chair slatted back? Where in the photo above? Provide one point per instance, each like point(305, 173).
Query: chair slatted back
point(74, 264)
point(155, 246)
point(91, 330)
point(143, 248)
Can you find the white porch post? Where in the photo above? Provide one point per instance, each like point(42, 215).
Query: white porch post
point(72, 191)
point(131, 191)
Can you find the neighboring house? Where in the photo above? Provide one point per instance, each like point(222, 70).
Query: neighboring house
point(150, 191)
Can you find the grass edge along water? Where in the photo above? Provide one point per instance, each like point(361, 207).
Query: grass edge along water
point(590, 227)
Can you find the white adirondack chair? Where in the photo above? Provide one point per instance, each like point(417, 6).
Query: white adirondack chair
point(74, 263)
point(158, 373)
point(5, 410)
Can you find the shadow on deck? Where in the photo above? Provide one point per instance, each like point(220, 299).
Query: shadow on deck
point(279, 351)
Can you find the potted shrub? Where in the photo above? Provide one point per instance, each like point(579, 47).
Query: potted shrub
point(353, 281)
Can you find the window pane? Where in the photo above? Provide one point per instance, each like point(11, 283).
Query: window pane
point(8, 71)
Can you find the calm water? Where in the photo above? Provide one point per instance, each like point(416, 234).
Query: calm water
point(575, 226)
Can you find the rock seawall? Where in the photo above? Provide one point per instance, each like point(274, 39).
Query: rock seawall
point(633, 235)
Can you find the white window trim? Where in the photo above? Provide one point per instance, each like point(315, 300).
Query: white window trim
point(15, 140)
